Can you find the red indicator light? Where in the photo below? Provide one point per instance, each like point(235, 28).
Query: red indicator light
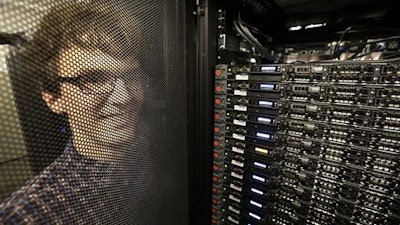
point(218, 89)
point(216, 116)
point(213, 211)
point(215, 167)
point(214, 201)
point(216, 155)
point(216, 129)
point(217, 101)
point(213, 221)
point(214, 190)
point(218, 72)
point(216, 143)
point(215, 179)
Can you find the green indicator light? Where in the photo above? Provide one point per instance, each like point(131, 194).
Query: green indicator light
point(226, 166)
point(224, 189)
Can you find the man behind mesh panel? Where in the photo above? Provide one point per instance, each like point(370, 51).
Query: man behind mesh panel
point(87, 60)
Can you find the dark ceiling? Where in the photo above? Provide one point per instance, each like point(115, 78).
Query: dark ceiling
point(320, 6)
point(274, 17)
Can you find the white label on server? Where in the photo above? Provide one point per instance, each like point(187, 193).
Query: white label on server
point(262, 165)
point(268, 68)
point(261, 150)
point(255, 177)
point(255, 216)
point(242, 77)
point(257, 191)
point(238, 150)
point(262, 135)
point(237, 163)
point(235, 187)
point(234, 210)
point(233, 220)
point(234, 198)
point(267, 86)
point(264, 120)
point(240, 92)
point(233, 174)
point(314, 89)
point(266, 103)
point(240, 108)
point(239, 136)
point(255, 203)
point(239, 122)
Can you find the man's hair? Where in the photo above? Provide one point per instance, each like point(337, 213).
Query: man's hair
point(91, 25)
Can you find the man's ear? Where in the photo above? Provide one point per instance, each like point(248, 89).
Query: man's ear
point(53, 102)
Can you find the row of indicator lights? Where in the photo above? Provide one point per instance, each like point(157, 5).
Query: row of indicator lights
point(252, 189)
point(255, 163)
point(238, 200)
point(258, 135)
point(261, 102)
point(217, 117)
point(267, 120)
point(218, 72)
point(231, 219)
point(261, 150)
point(256, 149)
point(255, 177)
point(270, 69)
point(260, 86)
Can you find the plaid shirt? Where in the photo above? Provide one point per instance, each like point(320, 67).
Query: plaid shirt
point(72, 190)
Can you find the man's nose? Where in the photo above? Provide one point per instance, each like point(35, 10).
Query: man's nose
point(120, 93)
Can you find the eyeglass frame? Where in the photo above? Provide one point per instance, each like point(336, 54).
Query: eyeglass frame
point(77, 82)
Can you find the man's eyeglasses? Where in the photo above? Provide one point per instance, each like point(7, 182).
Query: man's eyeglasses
point(102, 82)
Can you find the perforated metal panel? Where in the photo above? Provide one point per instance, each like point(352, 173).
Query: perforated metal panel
point(93, 112)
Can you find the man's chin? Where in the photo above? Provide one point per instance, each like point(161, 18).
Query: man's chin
point(99, 144)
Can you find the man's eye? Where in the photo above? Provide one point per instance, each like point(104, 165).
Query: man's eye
point(94, 78)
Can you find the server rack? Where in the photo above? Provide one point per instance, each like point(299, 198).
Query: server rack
point(304, 142)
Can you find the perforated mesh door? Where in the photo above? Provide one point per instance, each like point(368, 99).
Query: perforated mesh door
point(93, 112)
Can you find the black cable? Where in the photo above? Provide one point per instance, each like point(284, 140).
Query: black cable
point(245, 33)
point(391, 55)
point(335, 54)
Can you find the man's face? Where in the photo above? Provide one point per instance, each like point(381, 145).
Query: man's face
point(99, 120)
